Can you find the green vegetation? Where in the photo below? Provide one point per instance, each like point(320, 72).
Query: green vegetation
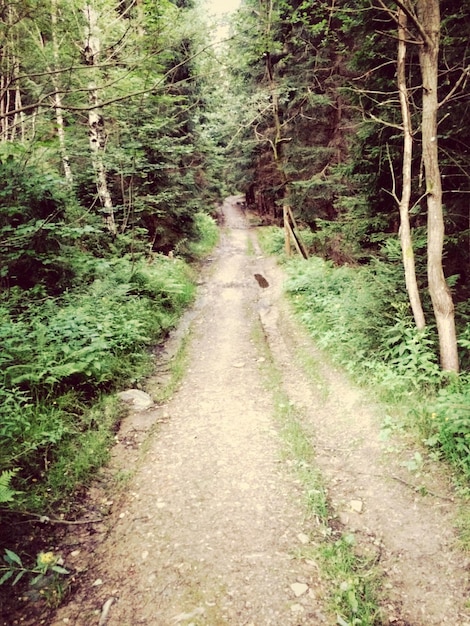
point(358, 317)
point(94, 242)
point(61, 355)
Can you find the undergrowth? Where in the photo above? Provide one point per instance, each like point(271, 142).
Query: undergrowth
point(63, 357)
point(360, 316)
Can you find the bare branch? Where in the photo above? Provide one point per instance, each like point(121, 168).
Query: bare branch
point(412, 16)
point(462, 79)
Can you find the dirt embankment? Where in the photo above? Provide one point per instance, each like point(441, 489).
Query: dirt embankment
point(207, 528)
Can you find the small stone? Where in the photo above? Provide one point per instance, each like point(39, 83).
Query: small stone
point(98, 582)
point(299, 589)
point(144, 555)
point(139, 400)
point(75, 553)
point(297, 608)
point(303, 538)
point(356, 505)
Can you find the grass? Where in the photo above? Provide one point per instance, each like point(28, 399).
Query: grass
point(162, 386)
point(353, 579)
point(360, 318)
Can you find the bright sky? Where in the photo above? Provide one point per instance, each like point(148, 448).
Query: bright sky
point(222, 6)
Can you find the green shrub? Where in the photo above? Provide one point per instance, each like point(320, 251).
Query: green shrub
point(271, 239)
point(58, 355)
point(207, 235)
point(364, 322)
point(448, 423)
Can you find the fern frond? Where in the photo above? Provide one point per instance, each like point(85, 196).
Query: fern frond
point(7, 494)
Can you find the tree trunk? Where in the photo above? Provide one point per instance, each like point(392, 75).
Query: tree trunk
point(96, 126)
point(404, 205)
point(59, 113)
point(429, 18)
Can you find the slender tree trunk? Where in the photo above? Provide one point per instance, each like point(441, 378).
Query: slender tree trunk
point(59, 112)
point(404, 205)
point(429, 18)
point(96, 126)
point(4, 122)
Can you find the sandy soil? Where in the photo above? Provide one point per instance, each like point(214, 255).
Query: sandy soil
point(206, 528)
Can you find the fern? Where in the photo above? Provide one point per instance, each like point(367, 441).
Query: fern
point(7, 494)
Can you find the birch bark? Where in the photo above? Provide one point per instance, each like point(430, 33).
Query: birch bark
point(59, 112)
point(96, 125)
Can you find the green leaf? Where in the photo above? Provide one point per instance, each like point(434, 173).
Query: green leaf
point(36, 579)
point(11, 557)
point(6, 576)
point(18, 577)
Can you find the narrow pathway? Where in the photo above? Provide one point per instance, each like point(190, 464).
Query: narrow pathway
point(213, 519)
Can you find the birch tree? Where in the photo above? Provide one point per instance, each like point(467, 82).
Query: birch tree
point(96, 124)
point(57, 98)
point(12, 120)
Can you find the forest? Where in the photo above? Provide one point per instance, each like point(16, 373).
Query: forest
point(124, 123)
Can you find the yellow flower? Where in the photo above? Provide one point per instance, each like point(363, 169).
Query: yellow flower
point(46, 559)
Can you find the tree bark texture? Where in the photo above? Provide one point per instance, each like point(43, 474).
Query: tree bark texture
point(429, 17)
point(59, 112)
point(404, 205)
point(96, 126)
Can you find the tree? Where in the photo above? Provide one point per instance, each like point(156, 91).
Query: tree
point(59, 112)
point(97, 132)
point(424, 16)
point(404, 201)
point(427, 22)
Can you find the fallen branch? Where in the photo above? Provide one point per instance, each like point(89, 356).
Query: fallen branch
point(45, 519)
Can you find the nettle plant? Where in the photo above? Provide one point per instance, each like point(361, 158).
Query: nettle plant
point(450, 423)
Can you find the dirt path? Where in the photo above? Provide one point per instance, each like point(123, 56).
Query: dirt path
point(208, 527)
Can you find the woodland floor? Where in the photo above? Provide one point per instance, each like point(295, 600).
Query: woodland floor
point(210, 524)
